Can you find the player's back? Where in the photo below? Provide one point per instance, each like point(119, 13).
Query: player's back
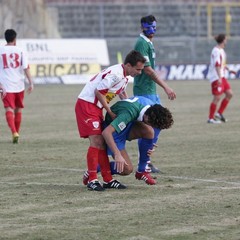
point(12, 64)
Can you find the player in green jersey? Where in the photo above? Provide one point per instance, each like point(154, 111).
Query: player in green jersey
point(145, 84)
point(136, 118)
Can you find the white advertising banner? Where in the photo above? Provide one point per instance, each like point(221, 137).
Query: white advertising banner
point(55, 51)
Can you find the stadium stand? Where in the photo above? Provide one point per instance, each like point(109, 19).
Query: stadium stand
point(184, 34)
point(185, 28)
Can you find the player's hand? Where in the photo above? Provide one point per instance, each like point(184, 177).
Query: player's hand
point(112, 115)
point(151, 151)
point(3, 92)
point(171, 94)
point(119, 163)
point(30, 89)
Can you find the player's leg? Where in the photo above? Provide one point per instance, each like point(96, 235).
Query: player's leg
point(228, 95)
point(216, 92)
point(18, 118)
point(96, 146)
point(9, 105)
point(156, 99)
point(89, 120)
point(150, 165)
point(146, 133)
point(18, 110)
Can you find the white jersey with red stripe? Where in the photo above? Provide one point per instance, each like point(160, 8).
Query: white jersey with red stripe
point(110, 82)
point(218, 59)
point(12, 63)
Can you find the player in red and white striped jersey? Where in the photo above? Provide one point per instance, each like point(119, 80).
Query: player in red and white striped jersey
point(13, 69)
point(94, 97)
point(219, 83)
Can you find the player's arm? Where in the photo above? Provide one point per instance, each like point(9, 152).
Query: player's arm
point(218, 70)
point(103, 101)
point(154, 76)
point(123, 95)
point(230, 71)
point(108, 137)
point(29, 78)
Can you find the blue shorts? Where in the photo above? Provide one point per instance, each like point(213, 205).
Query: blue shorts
point(153, 97)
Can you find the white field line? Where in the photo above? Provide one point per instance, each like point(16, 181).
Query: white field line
point(82, 170)
point(202, 180)
point(38, 184)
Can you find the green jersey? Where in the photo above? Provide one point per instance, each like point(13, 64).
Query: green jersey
point(143, 84)
point(127, 110)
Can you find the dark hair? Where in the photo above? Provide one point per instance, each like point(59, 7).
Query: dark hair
point(134, 57)
point(220, 38)
point(159, 117)
point(10, 35)
point(148, 19)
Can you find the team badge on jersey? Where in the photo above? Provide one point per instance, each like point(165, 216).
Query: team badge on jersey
point(95, 124)
point(121, 125)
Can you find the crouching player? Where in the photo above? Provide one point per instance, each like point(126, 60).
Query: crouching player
point(136, 118)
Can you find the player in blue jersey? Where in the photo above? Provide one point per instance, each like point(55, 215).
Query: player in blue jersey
point(136, 118)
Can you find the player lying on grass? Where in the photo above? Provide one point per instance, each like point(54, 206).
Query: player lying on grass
point(136, 118)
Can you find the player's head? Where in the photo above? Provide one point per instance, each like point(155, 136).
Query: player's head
point(134, 57)
point(134, 63)
point(158, 116)
point(220, 38)
point(148, 25)
point(10, 35)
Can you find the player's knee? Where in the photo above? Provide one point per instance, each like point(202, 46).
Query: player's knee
point(229, 95)
point(149, 133)
point(127, 170)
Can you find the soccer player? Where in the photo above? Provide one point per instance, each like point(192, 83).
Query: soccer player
point(145, 83)
point(219, 83)
point(136, 118)
point(94, 97)
point(13, 66)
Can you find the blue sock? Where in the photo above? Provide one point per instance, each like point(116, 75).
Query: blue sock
point(156, 134)
point(144, 145)
point(113, 171)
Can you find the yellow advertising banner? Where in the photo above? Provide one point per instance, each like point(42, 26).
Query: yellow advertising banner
point(58, 70)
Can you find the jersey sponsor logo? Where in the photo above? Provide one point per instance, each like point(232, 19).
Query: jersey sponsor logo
point(110, 96)
point(95, 124)
point(122, 125)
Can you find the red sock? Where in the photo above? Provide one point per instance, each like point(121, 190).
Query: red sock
point(18, 120)
point(223, 105)
point(10, 121)
point(105, 166)
point(92, 162)
point(212, 110)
